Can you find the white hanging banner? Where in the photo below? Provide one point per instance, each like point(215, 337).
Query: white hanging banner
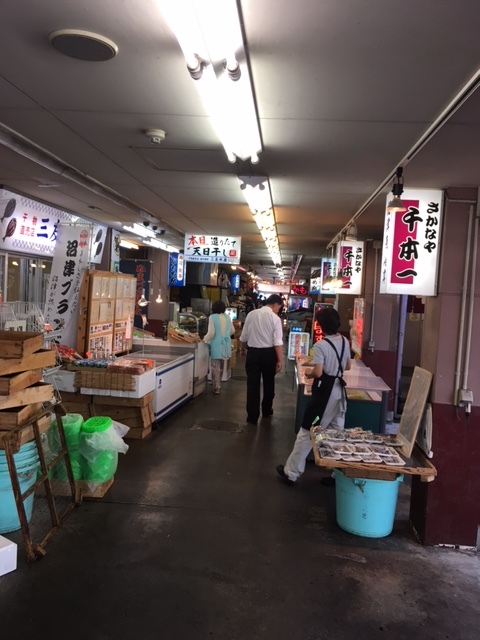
point(69, 262)
point(350, 258)
point(115, 252)
point(99, 235)
point(411, 244)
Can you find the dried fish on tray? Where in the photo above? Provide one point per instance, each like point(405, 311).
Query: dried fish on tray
point(342, 447)
point(371, 458)
point(383, 450)
point(328, 454)
point(394, 460)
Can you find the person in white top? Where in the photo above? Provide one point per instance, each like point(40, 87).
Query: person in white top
point(263, 333)
point(331, 357)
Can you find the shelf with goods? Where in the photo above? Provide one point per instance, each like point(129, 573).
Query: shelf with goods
point(110, 304)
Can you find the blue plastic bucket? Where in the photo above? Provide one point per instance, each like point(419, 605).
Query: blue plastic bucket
point(366, 507)
point(26, 463)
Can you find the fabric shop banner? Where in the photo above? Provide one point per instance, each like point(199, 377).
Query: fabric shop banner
point(28, 226)
point(411, 244)
point(70, 260)
point(176, 269)
point(141, 270)
point(221, 249)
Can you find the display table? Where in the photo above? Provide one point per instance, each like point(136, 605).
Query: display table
point(417, 465)
point(367, 396)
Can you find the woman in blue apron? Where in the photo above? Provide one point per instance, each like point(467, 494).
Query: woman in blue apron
point(327, 407)
point(219, 339)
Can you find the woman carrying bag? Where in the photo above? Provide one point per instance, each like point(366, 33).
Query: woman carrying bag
point(218, 338)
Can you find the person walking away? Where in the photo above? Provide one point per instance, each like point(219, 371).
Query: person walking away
point(263, 335)
point(218, 338)
point(331, 357)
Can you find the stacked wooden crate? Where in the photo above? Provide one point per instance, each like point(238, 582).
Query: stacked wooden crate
point(22, 393)
point(136, 413)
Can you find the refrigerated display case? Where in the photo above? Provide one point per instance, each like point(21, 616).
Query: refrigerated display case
point(193, 321)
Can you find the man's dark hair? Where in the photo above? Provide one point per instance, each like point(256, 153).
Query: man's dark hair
point(218, 306)
point(329, 320)
point(274, 299)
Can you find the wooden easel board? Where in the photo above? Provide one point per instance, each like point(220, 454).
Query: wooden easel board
point(413, 410)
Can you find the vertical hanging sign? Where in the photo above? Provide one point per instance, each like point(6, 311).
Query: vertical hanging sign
point(411, 243)
point(70, 260)
point(350, 256)
point(327, 271)
point(176, 269)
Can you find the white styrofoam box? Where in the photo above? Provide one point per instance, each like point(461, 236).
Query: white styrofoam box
point(90, 391)
point(64, 380)
point(8, 556)
point(144, 383)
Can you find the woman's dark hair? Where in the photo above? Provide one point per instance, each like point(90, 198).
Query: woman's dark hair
point(329, 320)
point(218, 306)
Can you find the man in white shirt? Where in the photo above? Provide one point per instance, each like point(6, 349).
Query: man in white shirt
point(263, 333)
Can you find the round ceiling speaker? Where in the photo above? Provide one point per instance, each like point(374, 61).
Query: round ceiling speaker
point(83, 45)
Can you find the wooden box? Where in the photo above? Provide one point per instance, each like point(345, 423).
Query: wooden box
point(25, 434)
point(137, 433)
point(123, 402)
point(15, 417)
point(39, 392)
point(18, 344)
point(16, 382)
point(37, 360)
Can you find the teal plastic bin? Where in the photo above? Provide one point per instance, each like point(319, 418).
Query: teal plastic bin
point(366, 507)
point(104, 465)
point(26, 464)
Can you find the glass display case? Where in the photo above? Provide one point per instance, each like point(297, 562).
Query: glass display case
point(193, 321)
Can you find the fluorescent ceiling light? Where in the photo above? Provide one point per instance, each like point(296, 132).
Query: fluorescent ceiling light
point(256, 190)
point(210, 36)
point(158, 244)
point(140, 230)
point(128, 245)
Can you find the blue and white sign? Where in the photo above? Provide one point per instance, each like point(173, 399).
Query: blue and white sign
point(176, 270)
point(235, 281)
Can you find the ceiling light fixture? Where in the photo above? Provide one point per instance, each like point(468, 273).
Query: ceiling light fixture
point(256, 191)
point(159, 297)
point(395, 203)
point(210, 36)
point(83, 45)
point(142, 302)
point(140, 230)
point(128, 245)
point(352, 232)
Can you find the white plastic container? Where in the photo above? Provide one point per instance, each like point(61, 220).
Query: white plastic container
point(8, 556)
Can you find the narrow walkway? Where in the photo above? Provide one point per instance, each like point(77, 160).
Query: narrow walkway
point(199, 539)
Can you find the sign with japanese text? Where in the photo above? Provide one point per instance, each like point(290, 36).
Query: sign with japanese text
point(28, 226)
point(69, 263)
point(141, 270)
point(115, 251)
point(176, 270)
point(350, 256)
point(221, 249)
point(99, 235)
point(315, 281)
point(327, 270)
point(298, 290)
point(411, 243)
point(235, 281)
point(356, 328)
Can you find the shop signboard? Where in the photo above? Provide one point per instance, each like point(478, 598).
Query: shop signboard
point(298, 343)
point(235, 282)
point(70, 260)
point(176, 269)
point(28, 226)
point(141, 270)
point(115, 251)
point(327, 270)
point(216, 249)
point(411, 244)
point(350, 258)
point(99, 236)
point(315, 281)
point(298, 290)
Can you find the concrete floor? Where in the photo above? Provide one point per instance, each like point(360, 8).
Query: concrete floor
point(199, 539)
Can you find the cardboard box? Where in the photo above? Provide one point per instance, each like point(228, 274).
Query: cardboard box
point(8, 556)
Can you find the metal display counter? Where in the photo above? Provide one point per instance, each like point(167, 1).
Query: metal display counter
point(367, 396)
point(199, 350)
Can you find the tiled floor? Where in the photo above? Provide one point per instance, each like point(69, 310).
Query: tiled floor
point(199, 539)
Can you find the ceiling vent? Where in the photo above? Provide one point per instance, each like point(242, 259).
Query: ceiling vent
point(83, 45)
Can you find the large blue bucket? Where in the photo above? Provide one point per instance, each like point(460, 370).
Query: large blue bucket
point(26, 463)
point(366, 507)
